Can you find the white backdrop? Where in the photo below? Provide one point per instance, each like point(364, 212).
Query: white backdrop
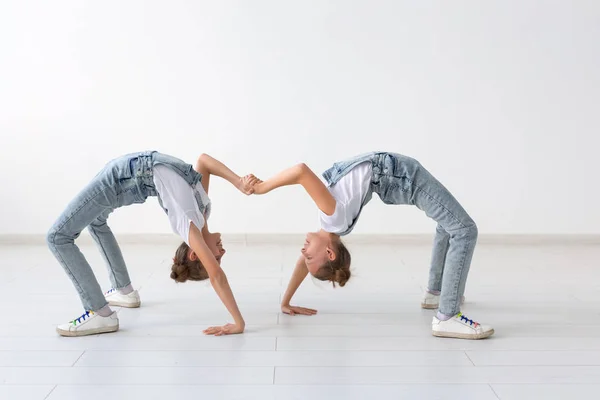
point(499, 99)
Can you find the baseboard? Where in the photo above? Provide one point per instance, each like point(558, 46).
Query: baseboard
point(292, 238)
point(427, 239)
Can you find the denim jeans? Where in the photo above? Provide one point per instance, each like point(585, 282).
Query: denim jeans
point(398, 179)
point(124, 181)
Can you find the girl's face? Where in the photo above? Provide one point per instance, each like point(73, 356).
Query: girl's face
point(317, 250)
point(215, 244)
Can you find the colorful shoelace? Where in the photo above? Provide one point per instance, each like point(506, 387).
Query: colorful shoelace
point(82, 318)
point(467, 320)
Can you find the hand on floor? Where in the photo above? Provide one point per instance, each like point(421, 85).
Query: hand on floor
point(293, 310)
point(228, 329)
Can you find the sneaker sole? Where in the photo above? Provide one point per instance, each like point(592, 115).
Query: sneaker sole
point(463, 335)
point(105, 329)
point(126, 305)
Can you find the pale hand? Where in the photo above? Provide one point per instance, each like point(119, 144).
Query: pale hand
point(228, 329)
point(293, 310)
point(246, 184)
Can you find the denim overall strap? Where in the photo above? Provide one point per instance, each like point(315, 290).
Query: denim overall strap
point(183, 169)
point(341, 168)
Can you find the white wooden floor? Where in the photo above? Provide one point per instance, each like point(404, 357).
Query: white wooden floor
point(369, 340)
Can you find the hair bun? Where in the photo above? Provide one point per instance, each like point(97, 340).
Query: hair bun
point(341, 277)
point(180, 273)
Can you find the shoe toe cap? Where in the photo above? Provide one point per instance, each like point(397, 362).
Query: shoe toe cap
point(66, 327)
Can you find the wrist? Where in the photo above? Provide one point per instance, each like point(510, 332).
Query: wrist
point(261, 188)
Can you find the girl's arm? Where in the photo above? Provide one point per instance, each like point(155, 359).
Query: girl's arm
point(218, 280)
point(207, 166)
point(297, 278)
point(300, 175)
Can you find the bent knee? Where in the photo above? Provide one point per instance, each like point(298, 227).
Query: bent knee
point(51, 235)
point(473, 230)
point(59, 235)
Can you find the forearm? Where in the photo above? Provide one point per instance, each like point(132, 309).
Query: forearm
point(298, 276)
point(218, 279)
point(302, 175)
point(212, 166)
point(290, 176)
point(223, 290)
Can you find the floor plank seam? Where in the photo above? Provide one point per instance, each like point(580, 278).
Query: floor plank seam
point(493, 391)
point(48, 395)
point(466, 354)
point(78, 358)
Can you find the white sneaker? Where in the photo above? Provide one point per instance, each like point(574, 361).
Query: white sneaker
point(460, 327)
point(131, 300)
point(431, 301)
point(89, 323)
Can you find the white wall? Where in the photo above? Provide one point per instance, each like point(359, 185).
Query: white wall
point(499, 99)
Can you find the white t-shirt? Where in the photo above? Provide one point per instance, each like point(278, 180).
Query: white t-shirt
point(349, 194)
point(179, 199)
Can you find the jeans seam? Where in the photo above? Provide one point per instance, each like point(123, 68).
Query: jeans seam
point(99, 242)
point(461, 272)
point(73, 278)
point(462, 269)
point(446, 246)
point(81, 206)
point(430, 197)
point(460, 275)
point(436, 201)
